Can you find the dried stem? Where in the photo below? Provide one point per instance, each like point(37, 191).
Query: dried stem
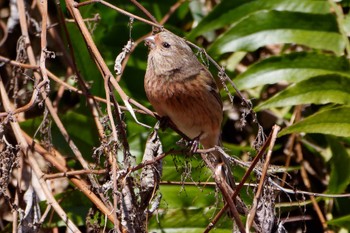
point(240, 185)
point(223, 186)
point(252, 212)
point(33, 163)
point(78, 182)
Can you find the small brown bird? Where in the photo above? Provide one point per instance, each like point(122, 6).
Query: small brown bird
point(181, 88)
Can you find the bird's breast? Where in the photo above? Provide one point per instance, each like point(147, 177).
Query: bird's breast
point(188, 103)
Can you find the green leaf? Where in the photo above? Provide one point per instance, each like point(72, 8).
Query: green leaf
point(341, 222)
point(80, 129)
point(317, 90)
point(189, 196)
point(340, 163)
point(180, 229)
point(277, 27)
point(74, 203)
point(231, 12)
point(186, 209)
point(293, 67)
point(86, 66)
point(335, 121)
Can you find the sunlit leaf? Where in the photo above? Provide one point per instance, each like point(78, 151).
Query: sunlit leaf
point(318, 90)
point(293, 67)
point(186, 209)
point(229, 13)
point(334, 121)
point(279, 27)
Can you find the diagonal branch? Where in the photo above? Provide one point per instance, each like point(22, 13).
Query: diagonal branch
point(224, 187)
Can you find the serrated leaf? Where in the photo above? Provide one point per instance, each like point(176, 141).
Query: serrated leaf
point(231, 12)
point(340, 173)
point(317, 90)
point(335, 121)
point(293, 67)
point(278, 27)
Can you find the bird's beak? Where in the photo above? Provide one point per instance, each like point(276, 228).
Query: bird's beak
point(150, 42)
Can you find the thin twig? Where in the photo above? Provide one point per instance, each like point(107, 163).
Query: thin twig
point(33, 163)
point(77, 5)
point(307, 184)
point(102, 66)
point(240, 185)
point(290, 144)
point(109, 109)
point(171, 11)
point(95, 98)
point(43, 41)
point(146, 12)
point(79, 183)
point(223, 186)
point(253, 209)
point(18, 64)
point(72, 63)
point(74, 173)
point(116, 221)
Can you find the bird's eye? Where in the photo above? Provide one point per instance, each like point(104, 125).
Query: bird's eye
point(166, 45)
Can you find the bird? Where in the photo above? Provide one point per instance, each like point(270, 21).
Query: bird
point(181, 88)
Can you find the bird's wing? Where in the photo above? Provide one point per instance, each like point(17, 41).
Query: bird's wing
point(212, 87)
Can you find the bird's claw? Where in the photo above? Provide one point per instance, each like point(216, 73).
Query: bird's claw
point(192, 145)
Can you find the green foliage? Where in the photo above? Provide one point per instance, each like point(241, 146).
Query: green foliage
point(340, 172)
point(292, 68)
point(313, 30)
point(188, 210)
point(317, 90)
point(315, 76)
point(318, 77)
point(341, 222)
point(310, 59)
point(232, 12)
point(333, 121)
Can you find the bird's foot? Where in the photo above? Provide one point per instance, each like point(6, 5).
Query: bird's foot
point(190, 145)
point(194, 145)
